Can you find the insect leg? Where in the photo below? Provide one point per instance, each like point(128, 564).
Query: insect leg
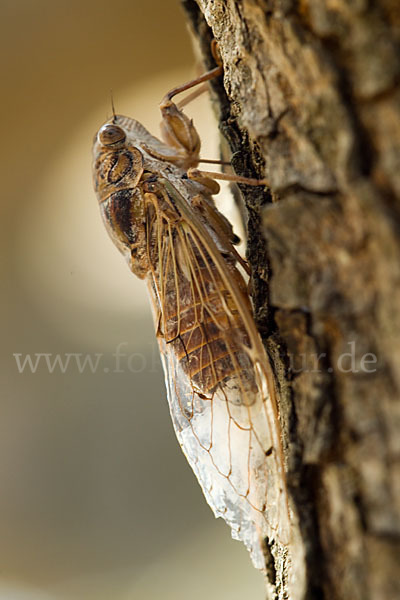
point(215, 72)
point(177, 129)
point(211, 74)
point(203, 88)
point(198, 175)
point(208, 182)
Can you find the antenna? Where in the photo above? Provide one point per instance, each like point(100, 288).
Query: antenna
point(113, 108)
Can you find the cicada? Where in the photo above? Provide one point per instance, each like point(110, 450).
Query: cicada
point(159, 211)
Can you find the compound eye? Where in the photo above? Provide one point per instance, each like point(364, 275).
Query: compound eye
point(110, 135)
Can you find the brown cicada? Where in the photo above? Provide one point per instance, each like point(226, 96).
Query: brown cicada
point(159, 211)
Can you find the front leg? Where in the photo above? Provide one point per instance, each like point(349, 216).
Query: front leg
point(177, 130)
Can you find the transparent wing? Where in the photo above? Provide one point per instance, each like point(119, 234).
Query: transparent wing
point(217, 373)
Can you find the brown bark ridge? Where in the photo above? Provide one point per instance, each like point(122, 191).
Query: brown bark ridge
point(311, 101)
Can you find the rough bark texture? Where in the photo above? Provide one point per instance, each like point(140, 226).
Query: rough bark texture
point(310, 100)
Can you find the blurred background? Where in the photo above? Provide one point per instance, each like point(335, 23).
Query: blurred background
point(96, 498)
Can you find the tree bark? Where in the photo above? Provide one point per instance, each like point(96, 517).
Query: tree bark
point(310, 100)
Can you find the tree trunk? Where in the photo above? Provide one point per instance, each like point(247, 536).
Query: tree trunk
point(310, 100)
